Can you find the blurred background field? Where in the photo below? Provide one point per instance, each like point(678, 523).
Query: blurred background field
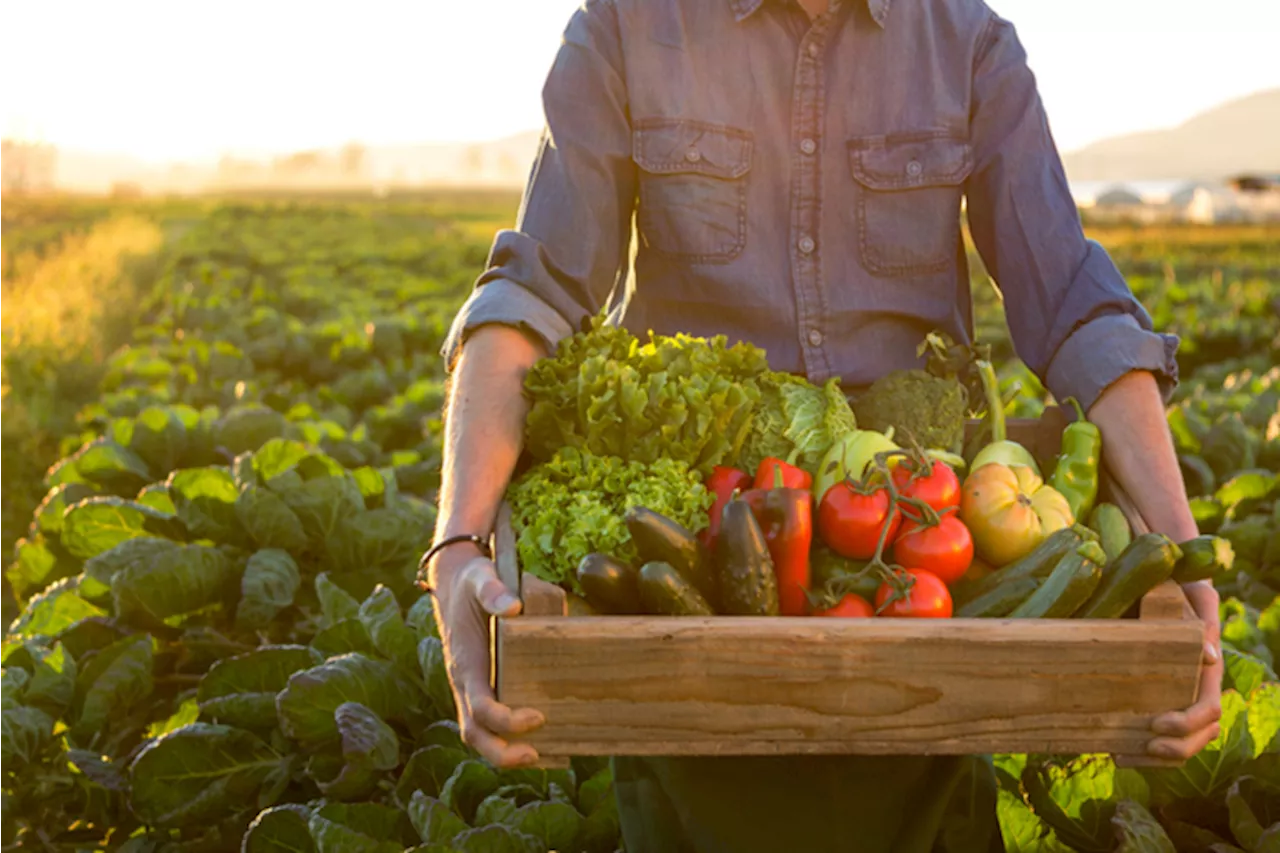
point(221, 446)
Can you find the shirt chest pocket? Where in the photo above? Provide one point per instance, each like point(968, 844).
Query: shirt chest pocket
point(692, 188)
point(908, 201)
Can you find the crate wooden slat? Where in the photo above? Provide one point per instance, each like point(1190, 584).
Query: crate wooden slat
point(645, 685)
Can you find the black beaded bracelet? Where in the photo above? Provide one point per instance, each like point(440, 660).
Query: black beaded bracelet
point(479, 541)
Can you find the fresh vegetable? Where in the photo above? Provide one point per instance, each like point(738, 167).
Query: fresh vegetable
point(1075, 474)
point(850, 606)
point(941, 543)
point(775, 472)
point(932, 481)
point(661, 540)
point(676, 398)
point(1068, 587)
point(1001, 600)
point(666, 592)
point(1037, 564)
point(1147, 562)
point(608, 585)
point(1001, 450)
point(1009, 511)
point(853, 517)
point(1202, 558)
point(573, 505)
point(794, 420)
point(786, 518)
point(1109, 522)
point(849, 458)
point(921, 408)
point(723, 483)
point(745, 575)
point(926, 598)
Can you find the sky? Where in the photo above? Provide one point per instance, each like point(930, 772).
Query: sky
point(196, 79)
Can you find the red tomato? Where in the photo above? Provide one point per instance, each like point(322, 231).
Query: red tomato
point(851, 606)
point(928, 598)
point(939, 488)
point(850, 523)
point(945, 550)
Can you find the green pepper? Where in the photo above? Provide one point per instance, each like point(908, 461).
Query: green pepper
point(1075, 475)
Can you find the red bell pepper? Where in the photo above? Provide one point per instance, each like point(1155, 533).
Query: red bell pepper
point(792, 477)
point(724, 482)
point(785, 516)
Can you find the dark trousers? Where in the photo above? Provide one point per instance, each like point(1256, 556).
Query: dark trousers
point(808, 804)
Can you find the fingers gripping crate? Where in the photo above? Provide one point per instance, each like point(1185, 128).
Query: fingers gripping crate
point(726, 685)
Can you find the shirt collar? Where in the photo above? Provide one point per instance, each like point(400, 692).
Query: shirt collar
point(743, 9)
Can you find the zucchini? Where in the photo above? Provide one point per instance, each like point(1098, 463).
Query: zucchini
point(1112, 528)
point(1202, 558)
point(666, 592)
point(609, 585)
point(1070, 584)
point(1037, 564)
point(744, 569)
point(1000, 601)
point(658, 539)
point(1144, 565)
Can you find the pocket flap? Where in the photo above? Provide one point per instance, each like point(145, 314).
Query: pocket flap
point(889, 163)
point(673, 146)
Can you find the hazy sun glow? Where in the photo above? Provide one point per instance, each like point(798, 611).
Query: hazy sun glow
point(197, 79)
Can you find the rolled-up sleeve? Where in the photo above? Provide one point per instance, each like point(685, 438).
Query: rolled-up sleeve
point(571, 241)
point(1073, 318)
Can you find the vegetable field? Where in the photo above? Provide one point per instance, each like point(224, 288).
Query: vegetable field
point(213, 641)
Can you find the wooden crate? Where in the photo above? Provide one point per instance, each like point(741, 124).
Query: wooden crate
point(648, 685)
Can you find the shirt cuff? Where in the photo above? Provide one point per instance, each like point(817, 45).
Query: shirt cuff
point(1105, 349)
point(503, 302)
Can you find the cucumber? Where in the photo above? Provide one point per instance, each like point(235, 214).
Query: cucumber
point(1000, 601)
point(1202, 558)
point(1037, 564)
point(1070, 584)
point(666, 592)
point(744, 569)
point(658, 539)
point(1144, 565)
point(1112, 528)
point(609, 585)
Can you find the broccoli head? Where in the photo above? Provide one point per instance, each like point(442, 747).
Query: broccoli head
point(923, 408)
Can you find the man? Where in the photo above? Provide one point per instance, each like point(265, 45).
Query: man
point(796, 174)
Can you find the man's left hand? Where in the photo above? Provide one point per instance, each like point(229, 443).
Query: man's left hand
point(1182, 734)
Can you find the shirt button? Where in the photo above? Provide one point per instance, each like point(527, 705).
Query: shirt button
point(693, 155)
point(815, 337)
point(813, 48)
point(914, 168)
point(806, 244)
point(808, 146)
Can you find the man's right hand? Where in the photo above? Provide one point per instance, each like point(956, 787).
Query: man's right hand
point(468, 592)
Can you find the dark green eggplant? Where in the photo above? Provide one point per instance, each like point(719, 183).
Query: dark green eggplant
point(659, 539)
point(666, 592)
point(609, 585)
point(744, 568)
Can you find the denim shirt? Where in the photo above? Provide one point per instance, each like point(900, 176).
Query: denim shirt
point(734, 167)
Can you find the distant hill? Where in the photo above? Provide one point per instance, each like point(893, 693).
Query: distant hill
point(1238, 136)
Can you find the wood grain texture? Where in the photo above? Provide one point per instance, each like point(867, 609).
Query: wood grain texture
point(1165, 602)
point(722, 686)
point(542, 598)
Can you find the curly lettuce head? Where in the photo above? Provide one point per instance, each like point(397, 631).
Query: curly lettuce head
point(573, 505)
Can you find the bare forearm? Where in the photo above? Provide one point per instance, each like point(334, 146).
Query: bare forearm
point(484, 428)
point(1139, 453)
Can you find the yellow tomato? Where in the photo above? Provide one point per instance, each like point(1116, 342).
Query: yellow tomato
point(1009, 510)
